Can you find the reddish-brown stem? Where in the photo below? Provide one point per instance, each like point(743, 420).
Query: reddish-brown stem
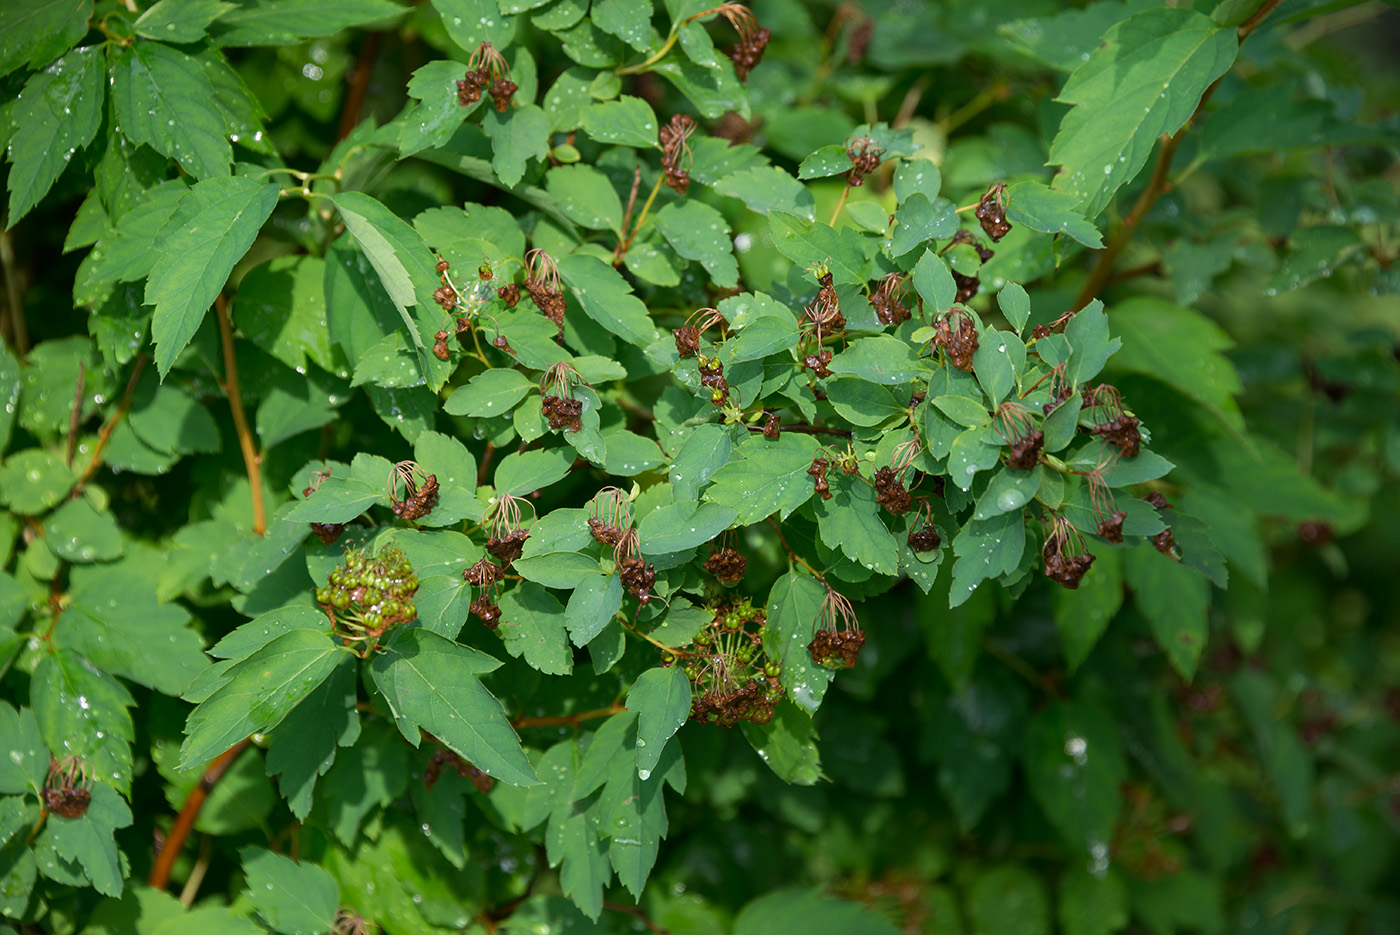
point(75, 417)
point(485, 468)
point(803, 428)
point(1157, 185)
point(18, 331)
point(189, 814)
point(639, 914)
point(252, 459)
point(359, 84)
point(627, 215)
point(110, 426)
point(568, 720)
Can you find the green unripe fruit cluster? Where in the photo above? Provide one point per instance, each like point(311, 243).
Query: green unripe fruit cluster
point(371, 592)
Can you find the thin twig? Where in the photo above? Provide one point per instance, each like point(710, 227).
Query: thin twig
point(19, 326)
point(841, 203)
point(359, 85)
point(1157, 185)
point(642, 218)
point(197, 872)
point(627, 215)
point(252, 460)
point(568, 720)
point(802, 428)
point(76, 415)
point(189, 814)
point(485, 467)
point(110, 426)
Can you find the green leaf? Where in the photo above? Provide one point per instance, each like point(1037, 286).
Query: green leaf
point(683, 525)
point(1083, 614)
point(630, 454)
point(1009, 898)
point(83, 711)
point(59, 111)
point(214, 225)
point(1074, 767)
point(699, 232)
point(1181, 348)
point(76, 532)
point(1008, 490)
point(431, 683)
point(521, 135)
point(810, 912)
point(163, 99)
point(917, 221)
point(607, 298)
point(25, 759)
point(629, 20)
point(88, 840)
point(38, 31)
point(33, 480)
point(532, 626)
point(864, 403)
point(767, 477)
point(303, 747)
point(974, 450)
point(661, 698)
point(1143, 81)
point(489, 393)
point(1090, 904)
point(881, 359)
point(627, 121)
point(704, 452)
point(788, 744)
point(283, 22)
point(1175, 600)
point(713, 91)
point(985, 549)
point(810, 245)
point(591, 606)
point(850, 522)
point(761, 336)
point(963, 410)
point(826, 161)
point(258, 693)
point(1044, 209)
point(1089, 342)
point(281, 307)
point(439, 113)
point(999, 357)
point(179, 20)
point(934, 282)
point(586, 196)
point(290, 897)
point(170, 420)
point(793, 604)
point(525, 472)
point(766, 189)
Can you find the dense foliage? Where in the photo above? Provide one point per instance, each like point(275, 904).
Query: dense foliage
point(525, 466)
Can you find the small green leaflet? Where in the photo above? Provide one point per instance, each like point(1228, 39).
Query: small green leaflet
point(768, 477)
point(59, 111)
point(38, 31)
point(292, 898)
point(586, 196)
point(591, 606)
point(985, 549)
point(661, 698)
point(431, 683)
point(788, 744)
point(472, 22)
point(490, 393)
point(522, 473)
point(179, 20)
point(699, 232)
point(1043, 209)
point(629, 20)
point(1144, 80)
point(212, 228)
point(283, 22)
point(934, 282)
point(607, 298)
point(682, 525)
point(344, 495)
point(880, 359)
point(164, 99)
point(303, 747)
point(84, 711)
point(766, 189)
point(518, 137)
point(917, 221)
point(1015, 304)
point(438, 114)
point(627, 121)
point(258, 692)
point(532, 626)
point(793, 603)
point(850, 522)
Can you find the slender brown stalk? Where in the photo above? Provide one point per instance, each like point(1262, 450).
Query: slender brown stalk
point(1158, 184)
point(106, 433)
point(252, 459)
point(76, 415)
point(189, 814)
point(19, 326)
point(359, 84)
point(627, 215)
point(568, 720)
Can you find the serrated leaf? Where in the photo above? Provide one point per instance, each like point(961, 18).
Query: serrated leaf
point(1043, 209)
point(810, 245)
point(1008, 490)
point(291, 897)
point(826, 161)
point(607, 298)
point(163, 99)
point(516, 138)
point(766, 189)
point(439, 112)
point(88, 840)
point(83, 711)
point(33, 480)
point(682, 525)
point(918, 220)
point(77, 532)
point(258, 693)
point(532, 626)
point(629, 20)
point(303, 747)
point(985, 549)
point(793, 603)
point(1143, 81)
point(850, 523)
point(179, 20)
point(788, 744)
point(210, 231)
point(586, 196)
point(1181, 348)
point(661, 698)
point(698, 232)
point(281, 307)
point(59, 110)
point(767, 477)
point(24, 759)
point(38, 31)
point(431, 683)
point(713, 91)
point(283, 22)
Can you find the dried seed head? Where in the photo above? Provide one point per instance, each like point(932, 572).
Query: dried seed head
point(955, 332)
point(864, 155)
point(676, 158)
point(991, 212)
